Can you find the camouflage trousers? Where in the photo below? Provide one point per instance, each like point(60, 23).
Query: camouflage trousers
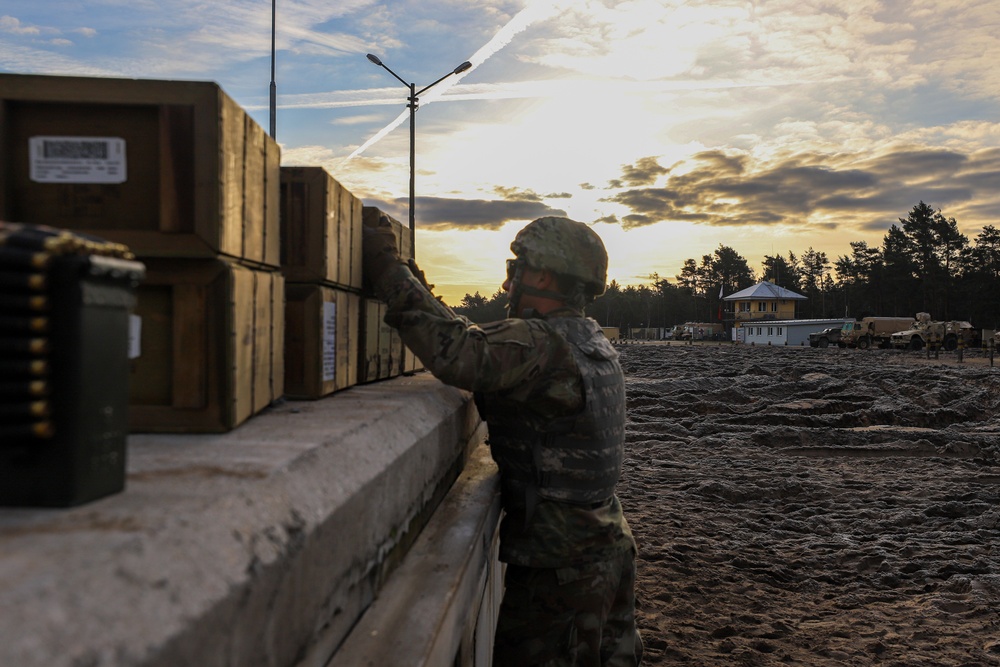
point(569, 617)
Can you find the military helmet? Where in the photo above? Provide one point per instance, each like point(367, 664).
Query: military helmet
point(566, 247)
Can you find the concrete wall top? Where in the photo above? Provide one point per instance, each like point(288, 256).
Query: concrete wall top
point(261, 546)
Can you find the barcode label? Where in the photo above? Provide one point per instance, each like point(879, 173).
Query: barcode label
point(77, 159)
point(329, 341)
point(75, 150)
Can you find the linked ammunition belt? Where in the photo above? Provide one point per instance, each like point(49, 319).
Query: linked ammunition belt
point(28, 253)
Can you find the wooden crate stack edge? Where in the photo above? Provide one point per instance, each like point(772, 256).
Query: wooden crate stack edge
point(197, 200)
point(383, 354)
point(321, 261)
point(212, 345)
point(202, 177)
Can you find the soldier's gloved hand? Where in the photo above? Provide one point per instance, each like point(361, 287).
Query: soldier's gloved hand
point(419, 275)
point(379, 249)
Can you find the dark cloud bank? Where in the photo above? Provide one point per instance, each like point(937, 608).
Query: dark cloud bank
point(717, 188)
point(722, 189)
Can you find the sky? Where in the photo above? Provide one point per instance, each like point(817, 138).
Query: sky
point(673, 127)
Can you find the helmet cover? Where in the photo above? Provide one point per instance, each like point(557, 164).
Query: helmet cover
point(565, 247)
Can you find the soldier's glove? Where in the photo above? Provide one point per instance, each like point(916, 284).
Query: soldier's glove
point(419, 275)
point(379, 249)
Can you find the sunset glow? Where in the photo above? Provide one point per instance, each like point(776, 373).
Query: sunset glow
point(674, 127)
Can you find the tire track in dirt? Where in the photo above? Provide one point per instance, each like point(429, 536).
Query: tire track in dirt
point(813, 507)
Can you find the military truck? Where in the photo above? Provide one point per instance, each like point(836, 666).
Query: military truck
point(926, 331)
point(873, 331)
point(825, 337)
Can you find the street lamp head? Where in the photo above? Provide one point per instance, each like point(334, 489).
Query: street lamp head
point(374, 59)
point(464, 67)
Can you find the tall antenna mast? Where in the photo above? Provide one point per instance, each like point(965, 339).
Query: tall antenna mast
point(273, 86)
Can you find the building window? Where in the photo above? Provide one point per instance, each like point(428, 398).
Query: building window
point(779, 330)
point(744, 306)
point(770, 331)
point(762, 306)
point(774, 306)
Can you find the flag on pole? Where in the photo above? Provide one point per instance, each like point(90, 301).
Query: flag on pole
point(720, 303)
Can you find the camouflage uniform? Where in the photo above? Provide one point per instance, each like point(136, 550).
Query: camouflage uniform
point(569, 551)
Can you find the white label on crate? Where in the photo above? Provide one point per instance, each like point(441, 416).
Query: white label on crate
point(329, 342)
point(77, 159)
point(134, 336)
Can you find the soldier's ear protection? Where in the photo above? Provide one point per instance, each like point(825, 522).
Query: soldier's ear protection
point(512, 265)
point(514, 268)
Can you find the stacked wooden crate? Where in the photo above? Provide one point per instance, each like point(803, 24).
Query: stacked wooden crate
point(321, 261)
point(182, 175)
point(383, 354)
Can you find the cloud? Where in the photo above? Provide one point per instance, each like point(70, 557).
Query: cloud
point(528, 195)
point(645, 171)
point(14, 26)
point(356, 120)
point(441, 213)
point(194, 38)
point(15, 58)
point(813, 190)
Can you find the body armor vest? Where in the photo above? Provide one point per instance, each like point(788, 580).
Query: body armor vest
point(574, 459)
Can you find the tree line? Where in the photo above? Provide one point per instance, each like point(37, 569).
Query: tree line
point(924, 264)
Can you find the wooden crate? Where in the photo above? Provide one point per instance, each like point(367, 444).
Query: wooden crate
point(200, 177)
point(320, 229)
point(322, 328)
point(370, 217)
point(387, 354)
point(389, 347)
point(368, 349)
point(411, 363)
point(211, 345)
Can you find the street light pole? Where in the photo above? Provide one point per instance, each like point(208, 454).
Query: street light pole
point(412, 105)
point(412, 102)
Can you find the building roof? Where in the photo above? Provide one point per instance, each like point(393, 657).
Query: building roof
point(823, 322)
point(765, 290)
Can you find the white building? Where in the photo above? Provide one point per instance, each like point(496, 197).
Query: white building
point(782, 332)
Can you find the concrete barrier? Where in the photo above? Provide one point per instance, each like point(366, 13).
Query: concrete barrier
point(262, 546)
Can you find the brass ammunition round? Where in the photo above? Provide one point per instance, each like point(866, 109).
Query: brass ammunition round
point(23, 258)
point(23, 324)
point(15, 302)
point(22, 389)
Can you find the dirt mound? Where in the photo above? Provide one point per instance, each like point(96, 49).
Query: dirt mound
point(813, 507)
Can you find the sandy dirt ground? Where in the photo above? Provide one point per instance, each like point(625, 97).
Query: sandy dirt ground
point(798, 506)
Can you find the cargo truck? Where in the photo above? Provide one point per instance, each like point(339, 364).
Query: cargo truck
point(873, 331)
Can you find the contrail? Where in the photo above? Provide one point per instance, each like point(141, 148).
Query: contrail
point(532, 89)
point(533, 12)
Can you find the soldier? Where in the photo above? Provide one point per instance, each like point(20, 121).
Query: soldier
point(550, 388)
